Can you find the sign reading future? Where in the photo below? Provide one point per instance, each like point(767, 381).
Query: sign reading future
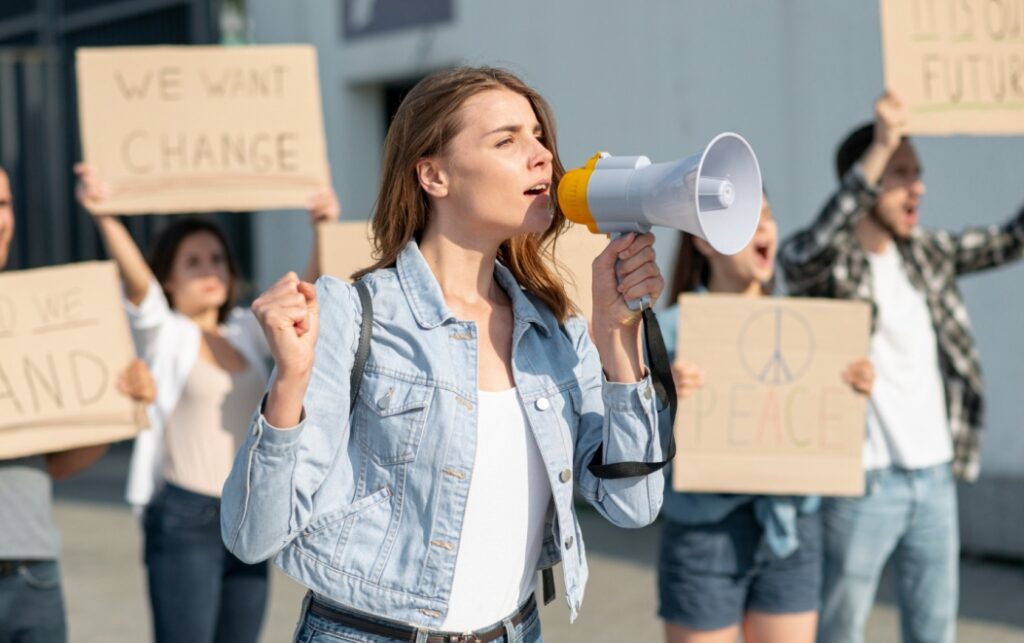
point(959, 64)
point(193, 129)
point(774, 415)
point(64, 340)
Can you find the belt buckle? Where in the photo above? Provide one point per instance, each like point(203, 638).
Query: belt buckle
point(464, 638)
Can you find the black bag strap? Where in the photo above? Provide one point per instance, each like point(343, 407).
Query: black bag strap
point(363, 350)
point(548, 583)
point(665, 388)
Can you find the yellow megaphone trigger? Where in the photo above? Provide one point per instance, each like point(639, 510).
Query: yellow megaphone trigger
point(572, 194)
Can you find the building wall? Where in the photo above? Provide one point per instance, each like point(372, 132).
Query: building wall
point(39, 137)
point(660, 78)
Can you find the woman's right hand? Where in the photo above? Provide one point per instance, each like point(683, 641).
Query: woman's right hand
point(289, 316)
point(91, 190)
point(688, 379)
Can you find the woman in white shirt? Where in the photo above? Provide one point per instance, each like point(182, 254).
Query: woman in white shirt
point(419, 498)
point(210, 360)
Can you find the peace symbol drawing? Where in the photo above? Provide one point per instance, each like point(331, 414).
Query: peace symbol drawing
point(776, 346)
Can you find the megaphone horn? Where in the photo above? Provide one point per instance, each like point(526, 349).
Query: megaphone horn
point(715, 194)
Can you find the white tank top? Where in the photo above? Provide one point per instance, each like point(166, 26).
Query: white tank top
point(503, 529)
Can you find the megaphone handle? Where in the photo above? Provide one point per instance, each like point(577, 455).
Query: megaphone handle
point(633, 304)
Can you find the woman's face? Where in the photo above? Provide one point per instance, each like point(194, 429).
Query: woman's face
point(756, 262)
point(495, 175)
point(200, 275)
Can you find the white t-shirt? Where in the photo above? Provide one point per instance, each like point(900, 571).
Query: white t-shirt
point(907, 425)
point(503, 529)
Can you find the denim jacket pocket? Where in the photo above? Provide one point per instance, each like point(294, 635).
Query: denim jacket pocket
point(325, 521)
point(389, 417)
point(326, 538)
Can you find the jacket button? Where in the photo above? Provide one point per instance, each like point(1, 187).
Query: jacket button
point(543, 404)
point(568, 542)
point(566, 475)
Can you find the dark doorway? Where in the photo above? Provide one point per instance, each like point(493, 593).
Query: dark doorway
point(39, 138)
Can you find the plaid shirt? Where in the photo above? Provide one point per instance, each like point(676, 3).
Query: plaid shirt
point(826, 260)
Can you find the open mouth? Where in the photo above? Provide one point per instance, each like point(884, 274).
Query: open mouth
point(538, 189)
point(763, 252)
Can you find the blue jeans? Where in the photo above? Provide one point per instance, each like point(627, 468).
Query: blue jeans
point(911, 516)
point(315, 629)
point(32, 604)
point(710, 575)
point(199, 592)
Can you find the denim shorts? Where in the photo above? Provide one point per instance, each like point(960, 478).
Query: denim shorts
point(709, 575)
point(316, 629)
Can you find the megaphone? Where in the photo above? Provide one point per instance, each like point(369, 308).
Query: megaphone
point(715, 194)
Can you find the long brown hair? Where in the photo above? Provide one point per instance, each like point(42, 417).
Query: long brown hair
point(692, 269)
point(425, 122)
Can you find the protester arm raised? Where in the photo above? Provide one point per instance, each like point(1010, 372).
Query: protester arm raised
point(135, 273)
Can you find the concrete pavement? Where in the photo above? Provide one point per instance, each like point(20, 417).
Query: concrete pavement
point(105, 590)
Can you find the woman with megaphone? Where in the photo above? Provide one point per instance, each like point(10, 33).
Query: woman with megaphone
point(727, 561)
point(414, 460)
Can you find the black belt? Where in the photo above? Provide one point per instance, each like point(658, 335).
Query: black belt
point(8, 567)
point(395, 630)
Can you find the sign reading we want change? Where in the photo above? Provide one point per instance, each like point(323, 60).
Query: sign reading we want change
point(193, 129)
point(773, 415)
point(958, 64)
point(64, 341)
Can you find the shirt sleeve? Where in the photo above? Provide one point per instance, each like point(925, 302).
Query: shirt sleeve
point(268, 496)
point(622, 420)
point(807, 257)
point(983, 248)
point(146, 319)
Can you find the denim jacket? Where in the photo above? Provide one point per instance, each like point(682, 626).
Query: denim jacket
point(366, 508)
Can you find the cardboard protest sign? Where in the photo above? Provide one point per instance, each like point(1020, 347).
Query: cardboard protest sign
point(576, 250)
point(959, 64)
point(64, 340)
point(194, 129)
point(773, 415)
point(344, 247)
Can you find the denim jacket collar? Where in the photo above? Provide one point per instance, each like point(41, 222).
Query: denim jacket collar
point(427, 301)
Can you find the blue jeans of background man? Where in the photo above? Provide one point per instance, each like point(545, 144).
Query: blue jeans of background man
point(910, 516)
point(32, 604)
point(199, 592)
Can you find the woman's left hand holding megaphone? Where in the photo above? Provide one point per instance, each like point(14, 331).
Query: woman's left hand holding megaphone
point(625, 270)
